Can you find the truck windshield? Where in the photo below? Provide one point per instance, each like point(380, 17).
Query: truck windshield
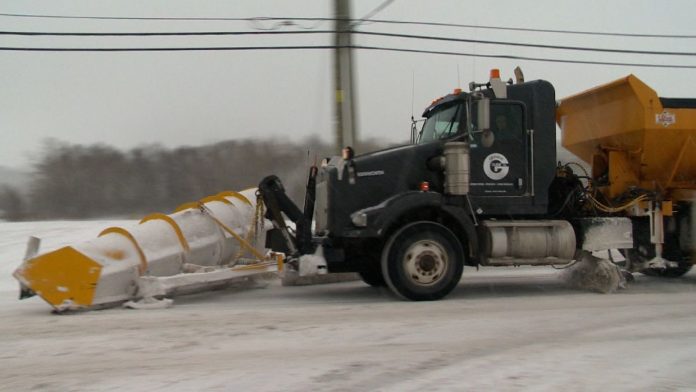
point(441, 124)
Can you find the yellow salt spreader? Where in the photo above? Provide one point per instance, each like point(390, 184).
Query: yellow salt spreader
point(640, 150)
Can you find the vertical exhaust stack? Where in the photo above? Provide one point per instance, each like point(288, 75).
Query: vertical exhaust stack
point(519, 76)
point(202, 246)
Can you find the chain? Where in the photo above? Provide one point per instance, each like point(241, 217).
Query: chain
point(254, 228)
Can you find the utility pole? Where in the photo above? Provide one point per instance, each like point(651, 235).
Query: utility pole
point(343, 77)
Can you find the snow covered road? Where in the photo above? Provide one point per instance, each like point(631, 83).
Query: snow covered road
point(502, 329)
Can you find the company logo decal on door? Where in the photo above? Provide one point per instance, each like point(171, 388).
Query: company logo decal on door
point(496, 166)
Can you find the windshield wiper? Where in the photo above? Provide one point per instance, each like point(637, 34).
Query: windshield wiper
point(451, 122)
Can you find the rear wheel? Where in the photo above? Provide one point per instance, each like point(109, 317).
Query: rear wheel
point(422, 261)
point(676, 227)
point(645, 253)
point(669, 272)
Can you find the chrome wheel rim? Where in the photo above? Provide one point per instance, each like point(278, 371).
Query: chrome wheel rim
point(425, 262)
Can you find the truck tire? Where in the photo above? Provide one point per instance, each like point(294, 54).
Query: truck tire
point(669, 272)
point(372, 276)
point(644, 250)
point(422, 261)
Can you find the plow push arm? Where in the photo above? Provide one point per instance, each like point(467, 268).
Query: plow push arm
point(278, 203)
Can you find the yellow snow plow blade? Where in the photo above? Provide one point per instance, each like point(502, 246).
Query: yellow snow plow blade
point(205, 245)
point(65, 277)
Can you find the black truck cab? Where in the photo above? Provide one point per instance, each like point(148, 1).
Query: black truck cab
point(511, 164)
point(374, 212)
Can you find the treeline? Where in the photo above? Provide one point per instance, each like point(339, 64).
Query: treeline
point(77, 182)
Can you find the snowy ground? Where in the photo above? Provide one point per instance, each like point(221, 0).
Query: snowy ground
point(502, 330)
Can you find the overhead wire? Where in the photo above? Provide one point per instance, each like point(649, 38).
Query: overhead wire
point(171, 48)
point(163, 33)
point(164, 18)
point(305, 31)
point(381, 21)
point(372, 13)
point(532, 30)
point(282, 23)
point(364, 47)
point(358, 32)
point(523, 44)
point(514, 57)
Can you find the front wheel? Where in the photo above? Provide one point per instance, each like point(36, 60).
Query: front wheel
point(422, 261)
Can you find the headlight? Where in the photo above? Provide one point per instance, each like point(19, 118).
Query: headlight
point(359, 219)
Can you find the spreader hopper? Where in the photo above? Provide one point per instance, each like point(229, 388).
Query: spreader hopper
point(632, 137)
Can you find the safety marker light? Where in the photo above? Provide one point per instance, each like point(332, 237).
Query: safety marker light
point(495, 73)
point(424, 186)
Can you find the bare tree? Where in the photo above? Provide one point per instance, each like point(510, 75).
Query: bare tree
point(75, 181)
point(12, 206)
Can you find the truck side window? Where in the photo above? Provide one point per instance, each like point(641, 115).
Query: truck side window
point(506, 122)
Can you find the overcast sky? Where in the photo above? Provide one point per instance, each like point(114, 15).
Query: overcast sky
point(194, 98)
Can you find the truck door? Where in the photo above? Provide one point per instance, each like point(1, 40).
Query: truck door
point(499, 158)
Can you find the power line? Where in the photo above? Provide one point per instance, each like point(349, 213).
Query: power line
point(148, 34)
point(374, 12)
point(283, 23)
point(522, 44)
point(363, 47)
point(383, 21)
point(512, 57)
point(531, 30)
point(148, 17)
point(171, 49)
point(371, 33)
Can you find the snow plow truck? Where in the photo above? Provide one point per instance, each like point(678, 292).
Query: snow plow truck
point(480, 184)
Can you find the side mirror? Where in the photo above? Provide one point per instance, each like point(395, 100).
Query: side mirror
point(483, 114)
